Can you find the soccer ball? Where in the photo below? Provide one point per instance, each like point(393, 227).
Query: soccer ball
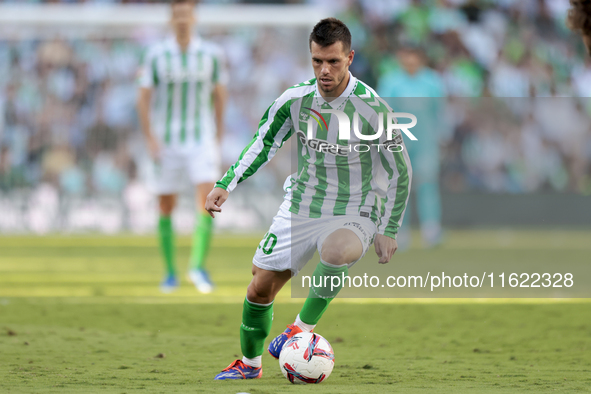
point(306, 358)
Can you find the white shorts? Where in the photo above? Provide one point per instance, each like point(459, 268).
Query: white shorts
point(180, 165)
point(292, 239)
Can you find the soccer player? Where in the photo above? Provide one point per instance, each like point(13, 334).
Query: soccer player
point(336, 204)
point(414, 79)
point(182, 129)
point(579, 20)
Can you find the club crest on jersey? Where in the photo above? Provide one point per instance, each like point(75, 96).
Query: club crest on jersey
point(304, 116)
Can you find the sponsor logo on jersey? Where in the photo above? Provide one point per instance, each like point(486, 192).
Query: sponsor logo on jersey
point(319, 145)
point(184, 76)
point(323, 146)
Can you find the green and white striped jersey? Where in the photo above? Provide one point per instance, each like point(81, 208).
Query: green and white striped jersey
point(183, 82)
point(333, 181)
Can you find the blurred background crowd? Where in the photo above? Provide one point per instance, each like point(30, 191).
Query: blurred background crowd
point(69, 131)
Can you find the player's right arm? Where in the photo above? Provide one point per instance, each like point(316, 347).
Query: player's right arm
point(143, 110)
point(274, 129)
point(147, 80)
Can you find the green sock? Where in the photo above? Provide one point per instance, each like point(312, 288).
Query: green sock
point(256, 325)
point(201, 240)
point(166, 235)
point(320, 296)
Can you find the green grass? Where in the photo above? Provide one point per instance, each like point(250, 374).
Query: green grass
point(84, 315)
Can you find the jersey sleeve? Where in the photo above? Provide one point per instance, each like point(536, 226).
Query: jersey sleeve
point(274, 129)
point(148, 74)
point(396, 164)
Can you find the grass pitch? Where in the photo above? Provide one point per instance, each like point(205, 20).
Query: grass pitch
point(84, 315)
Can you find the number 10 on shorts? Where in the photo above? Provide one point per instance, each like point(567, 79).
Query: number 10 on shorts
point(268, 243)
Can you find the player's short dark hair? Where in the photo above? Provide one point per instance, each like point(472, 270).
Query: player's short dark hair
point(579, 16)
point(331, 30)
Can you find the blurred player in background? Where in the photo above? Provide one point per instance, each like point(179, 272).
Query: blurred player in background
point(183, 128)
point(579, 20)
point(415, 81)
point(331, 204)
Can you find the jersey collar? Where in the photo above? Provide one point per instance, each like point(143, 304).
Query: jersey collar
point(338, 102)
point(175, 48)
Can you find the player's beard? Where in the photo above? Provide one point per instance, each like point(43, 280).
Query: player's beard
point(334, 87)
point(183, 32)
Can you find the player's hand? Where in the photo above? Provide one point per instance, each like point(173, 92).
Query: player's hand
point(153, 147)
point(385, 248)
point(215, 199)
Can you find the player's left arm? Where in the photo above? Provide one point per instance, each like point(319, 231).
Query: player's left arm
point(579, 20)
point(396, 164)
point(220, 96)
point(220, 93)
